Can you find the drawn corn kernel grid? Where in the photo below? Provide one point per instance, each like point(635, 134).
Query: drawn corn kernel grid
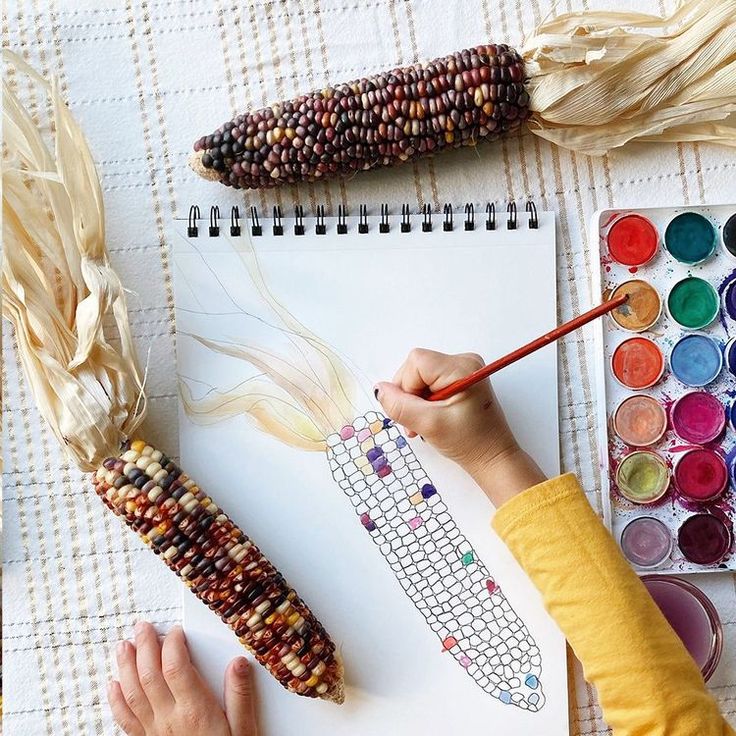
point(401, 510)
point(306, 396)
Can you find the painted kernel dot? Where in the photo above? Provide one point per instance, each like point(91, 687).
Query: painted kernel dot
point(505, 697)
point(376, 427)
point(533, 698)
point(428, 490)
point(416, 498)
point(367, 445)
point(490, 586)
point(364, 518)
point(449, 642)
point(400, 441)
point(363, 434)
point(416, 522)
point(465, 661)
point(386, 422)
point(374, 453)
point(384, 471)
point(467, 558)
point(532, 682)
point(371, 526)
point(347, 432)
point(379, 462)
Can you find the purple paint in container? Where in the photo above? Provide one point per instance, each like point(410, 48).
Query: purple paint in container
point(693, 617)
point(729, 299)
point(729, 355)
point(646, 542)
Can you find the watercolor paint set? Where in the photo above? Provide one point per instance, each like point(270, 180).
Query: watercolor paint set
point(667, 385)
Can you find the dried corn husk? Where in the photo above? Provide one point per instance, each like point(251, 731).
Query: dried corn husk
point(599, 80)
point(58, 285)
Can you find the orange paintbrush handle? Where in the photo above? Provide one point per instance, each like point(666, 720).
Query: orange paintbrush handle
point(463, 383)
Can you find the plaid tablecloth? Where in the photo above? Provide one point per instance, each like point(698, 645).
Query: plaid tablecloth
point(145, 78)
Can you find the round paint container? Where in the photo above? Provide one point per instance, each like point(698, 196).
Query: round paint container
point(690, 238)
point(632, 240)
point(643, 477)
point(729, 356)
point(704, 539)
point(696, 359)
point(640, 421)
point(698, 417)
point(729, 299)
point(646, 542)
point(728, 235)
point(693, 303)
point(637, 363)
point(641, 310)
point(700, 475)
point(693, 617)
point(732, 415)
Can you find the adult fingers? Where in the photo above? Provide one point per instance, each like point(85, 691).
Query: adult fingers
point(240, 707)
point(130, 684)
point(148, 664)
point(180, 674)
point(121, 712)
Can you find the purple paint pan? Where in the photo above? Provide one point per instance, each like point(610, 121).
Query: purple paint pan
point(704, 539)
point(729, 299)
point(693, 617)
point(698, 417)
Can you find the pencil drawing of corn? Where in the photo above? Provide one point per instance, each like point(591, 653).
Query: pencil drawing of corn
point(307, 399)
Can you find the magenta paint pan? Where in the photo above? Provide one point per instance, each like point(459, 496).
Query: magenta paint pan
point(704, 539)
point(692, 615)
point(698, 417)
point(700, 475)
point(646, 542)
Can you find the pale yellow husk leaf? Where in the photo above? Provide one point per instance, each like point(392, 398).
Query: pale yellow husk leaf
point(600, 80)
point(58, 288)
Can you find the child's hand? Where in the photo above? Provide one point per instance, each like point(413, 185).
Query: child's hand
point(469, 428)
point(160, 693)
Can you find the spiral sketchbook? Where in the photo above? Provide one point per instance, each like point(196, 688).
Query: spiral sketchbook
point(284, 324)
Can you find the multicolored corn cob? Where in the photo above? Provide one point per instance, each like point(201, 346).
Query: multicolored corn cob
point(438, 569)
point(396, 116)
point(223, 568)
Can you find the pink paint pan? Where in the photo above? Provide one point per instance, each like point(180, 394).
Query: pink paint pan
point(701, 475)
point(698, 417)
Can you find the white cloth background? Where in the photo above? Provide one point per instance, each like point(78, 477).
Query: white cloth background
point(147, 77)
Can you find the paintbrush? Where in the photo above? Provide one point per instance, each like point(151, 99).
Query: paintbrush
point(482, 373)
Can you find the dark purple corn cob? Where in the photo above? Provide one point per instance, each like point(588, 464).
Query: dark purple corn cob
point(396, 116)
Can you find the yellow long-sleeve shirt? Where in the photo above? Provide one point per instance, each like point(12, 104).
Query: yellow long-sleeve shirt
point(648, 685)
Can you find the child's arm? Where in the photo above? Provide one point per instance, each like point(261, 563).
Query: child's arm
point(647, 683)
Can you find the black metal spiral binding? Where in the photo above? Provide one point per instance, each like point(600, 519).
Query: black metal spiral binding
point(298, 220)
point(384, 226)
point(342, 225)
point(469, 216)
point(426, 219)
point(278, 228)
point(363, 219)
point(320, 228)
point(194, 215)
point(255, 227)
point(214, 220)
point(511, 211)
point(490, 216)
point(405, 218)
point(447, 223)
point(234, 221)
point(384, 223)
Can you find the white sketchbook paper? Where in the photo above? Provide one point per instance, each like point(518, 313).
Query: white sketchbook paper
point(371, 297)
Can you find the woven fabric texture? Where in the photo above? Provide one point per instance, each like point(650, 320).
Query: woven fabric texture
point(145, 78)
